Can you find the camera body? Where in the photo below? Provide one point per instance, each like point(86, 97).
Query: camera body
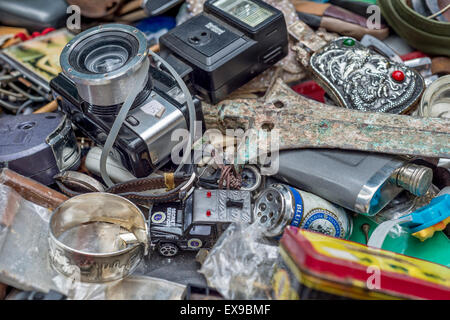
point(226, 46)
point(144, 141)
point(101, 66)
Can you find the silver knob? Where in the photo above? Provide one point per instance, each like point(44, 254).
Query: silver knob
point(413, 178)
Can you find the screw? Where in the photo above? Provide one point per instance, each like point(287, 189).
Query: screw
point(365, 229)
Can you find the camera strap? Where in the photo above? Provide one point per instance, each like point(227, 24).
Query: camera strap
point(139, 84)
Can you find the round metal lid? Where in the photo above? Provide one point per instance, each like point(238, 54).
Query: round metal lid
point(129, 68)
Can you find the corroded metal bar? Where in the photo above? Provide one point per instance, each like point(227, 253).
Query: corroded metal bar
point(304, 123)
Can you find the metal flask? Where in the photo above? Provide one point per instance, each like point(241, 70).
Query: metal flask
point(362, 182)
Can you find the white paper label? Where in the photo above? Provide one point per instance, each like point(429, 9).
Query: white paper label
point(154, 108)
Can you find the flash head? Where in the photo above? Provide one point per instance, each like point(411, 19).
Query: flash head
point(105, 62)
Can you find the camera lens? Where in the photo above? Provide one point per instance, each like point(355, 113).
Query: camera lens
point(105, 61)
point(103, 52)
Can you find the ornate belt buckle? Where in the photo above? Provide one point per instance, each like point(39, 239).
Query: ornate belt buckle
point(357, 77)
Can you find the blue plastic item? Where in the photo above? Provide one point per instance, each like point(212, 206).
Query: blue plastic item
point(438, 210)
point(154, 25)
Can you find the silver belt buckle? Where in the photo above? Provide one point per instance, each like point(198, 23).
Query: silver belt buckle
point(357, 77)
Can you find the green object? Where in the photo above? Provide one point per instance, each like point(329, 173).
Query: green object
point(368, 1)
point(428, 35)
point(349, 42)
point(435, 249)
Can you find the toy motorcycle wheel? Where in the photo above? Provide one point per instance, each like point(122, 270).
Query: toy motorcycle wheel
point(168, 249)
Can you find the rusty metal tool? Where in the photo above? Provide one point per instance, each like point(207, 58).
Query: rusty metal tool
point(304, 123)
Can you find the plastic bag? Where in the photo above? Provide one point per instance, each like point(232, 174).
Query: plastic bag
point(23, 243)
point(241, 264)
point(130, 288)
point(401, 206)
point(25, 264)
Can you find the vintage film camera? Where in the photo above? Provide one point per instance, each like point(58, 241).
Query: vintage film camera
point(100, 66)
point(237, 41)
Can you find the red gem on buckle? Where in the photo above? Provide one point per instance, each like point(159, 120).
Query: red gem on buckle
point(398, 76)
point(208, 194)
point(208, 213)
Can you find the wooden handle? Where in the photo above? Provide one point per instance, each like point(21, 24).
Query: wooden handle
point(352, 30)
point(440, 65)
point(311, 7)
point(32, 190)
point(155, 48)
point(3, 291)
point(49, 107)
point(130, 6)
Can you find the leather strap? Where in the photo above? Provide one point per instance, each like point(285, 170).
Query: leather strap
point(440, 65)
point(67, 191)
point(352, 30)
point(134, 189)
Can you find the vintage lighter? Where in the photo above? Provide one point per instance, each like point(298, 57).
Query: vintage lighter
point(357, 77)
point(279, 206)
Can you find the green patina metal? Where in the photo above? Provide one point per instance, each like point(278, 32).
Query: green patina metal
point(304, 123)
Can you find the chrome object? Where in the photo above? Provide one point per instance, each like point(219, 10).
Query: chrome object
point(436, 99)
point(376, 44)
point(156, 130)
point(107, 209)
point(251, 178)
point(279, 206)
point(359, 78)
point(78, 180)
point(105, 61)
point(64, 145)
point(414, 178)
point(275, 209)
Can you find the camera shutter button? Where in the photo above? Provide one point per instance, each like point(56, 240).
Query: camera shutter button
point(133, 121)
